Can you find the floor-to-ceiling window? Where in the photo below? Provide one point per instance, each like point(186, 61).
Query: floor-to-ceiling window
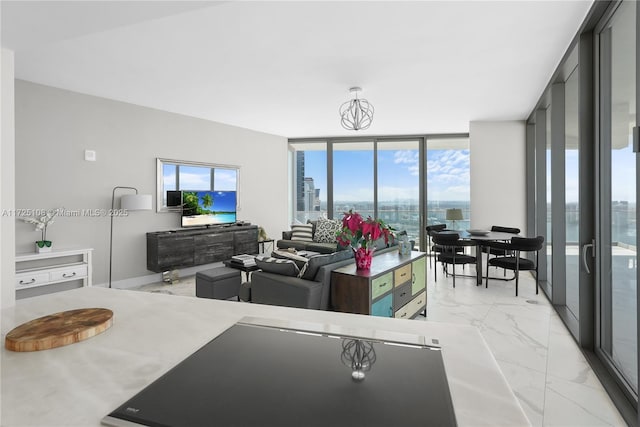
point(584, 190)
point(398, 166)
point(617, 278)
point(353, 183)
point(448, 181)
point(572, 193)
point(309, 180)
point(549, 188)
point(389, 177)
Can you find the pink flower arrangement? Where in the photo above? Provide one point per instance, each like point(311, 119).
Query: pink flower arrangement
point(360, 233)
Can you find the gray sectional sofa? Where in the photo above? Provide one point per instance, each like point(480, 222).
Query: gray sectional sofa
point(324, 248)
point(310, 291)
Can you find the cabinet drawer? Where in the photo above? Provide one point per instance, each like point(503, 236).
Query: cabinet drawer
point(30, 279)
point(383, 307)
point(69, 273)
point(413, 307)
point(381, 285)
point(401, 295)
point(402, 275)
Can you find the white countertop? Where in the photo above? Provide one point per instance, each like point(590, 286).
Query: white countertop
point(77, 385)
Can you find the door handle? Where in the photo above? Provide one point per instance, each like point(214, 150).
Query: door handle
point(585, 248)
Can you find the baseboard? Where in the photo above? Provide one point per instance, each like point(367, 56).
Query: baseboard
point(135, 282)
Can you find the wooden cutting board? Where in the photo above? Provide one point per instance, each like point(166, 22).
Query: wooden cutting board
point(56, 330)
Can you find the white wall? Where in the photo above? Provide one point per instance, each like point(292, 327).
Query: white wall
point(498, 181)
point(7, 188)
point(54, 127)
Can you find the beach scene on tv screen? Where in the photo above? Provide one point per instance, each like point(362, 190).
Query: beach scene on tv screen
point(208, 207)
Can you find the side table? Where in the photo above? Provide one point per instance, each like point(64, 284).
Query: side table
point(262, 247)
point(246, 269)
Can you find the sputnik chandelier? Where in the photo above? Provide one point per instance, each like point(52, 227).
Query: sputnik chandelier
point(357, 113)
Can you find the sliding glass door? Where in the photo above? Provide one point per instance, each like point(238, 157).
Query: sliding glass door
point(572, 194)
point(618, 165)
point(548, 238)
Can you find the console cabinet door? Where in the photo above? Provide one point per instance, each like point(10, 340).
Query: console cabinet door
point(246, 241)
point(418, 278)
point(175, 251)
point(213, 247)
point(383, 307)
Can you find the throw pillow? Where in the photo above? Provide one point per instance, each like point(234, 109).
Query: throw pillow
point(326, 230)
point(302, 232)
point(309, 271)
point(284, 267)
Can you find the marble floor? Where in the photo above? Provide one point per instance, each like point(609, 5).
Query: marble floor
point(540, 360)
point(536, 353)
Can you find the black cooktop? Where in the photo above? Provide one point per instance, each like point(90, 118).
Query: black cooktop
point(263, 376)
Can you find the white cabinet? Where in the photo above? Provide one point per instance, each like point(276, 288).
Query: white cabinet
point(57, 266)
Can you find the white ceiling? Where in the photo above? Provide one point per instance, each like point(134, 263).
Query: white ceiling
point(285, 67)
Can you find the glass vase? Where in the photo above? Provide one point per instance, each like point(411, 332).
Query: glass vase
point(363, 257)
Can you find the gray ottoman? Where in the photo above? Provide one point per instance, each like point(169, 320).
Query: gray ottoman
point(218, 283)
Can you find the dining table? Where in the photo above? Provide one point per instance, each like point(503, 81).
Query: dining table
point(479, 237)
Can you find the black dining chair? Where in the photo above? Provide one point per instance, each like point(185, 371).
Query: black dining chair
point(451, 245)
point(430, 230)
point(512, 259)
point(495, 251)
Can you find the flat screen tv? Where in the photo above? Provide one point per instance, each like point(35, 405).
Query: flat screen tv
point(208, 208)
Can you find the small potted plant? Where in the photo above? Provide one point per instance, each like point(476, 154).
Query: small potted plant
point(360, 235)
point(41, 223)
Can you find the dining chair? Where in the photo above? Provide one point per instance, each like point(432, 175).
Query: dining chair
point(495, 251)
point(451, 245)
point(512, 259)
point(430, 230)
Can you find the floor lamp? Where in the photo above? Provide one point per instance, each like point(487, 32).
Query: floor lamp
point(454, 215)
point(128, 202)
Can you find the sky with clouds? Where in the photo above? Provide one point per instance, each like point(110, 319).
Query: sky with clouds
point(398, 174)
point(199, 178)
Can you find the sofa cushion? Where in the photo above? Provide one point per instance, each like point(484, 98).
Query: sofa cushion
point(285, 267)
point(315, 262)
point(292, 244)
point(326, 230)
point(323, 248)
point(302, 232)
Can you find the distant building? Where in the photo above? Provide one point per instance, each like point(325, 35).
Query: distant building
point(300, 194)
point(311, 198)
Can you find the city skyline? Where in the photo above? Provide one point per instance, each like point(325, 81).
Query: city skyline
point(398, 175)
